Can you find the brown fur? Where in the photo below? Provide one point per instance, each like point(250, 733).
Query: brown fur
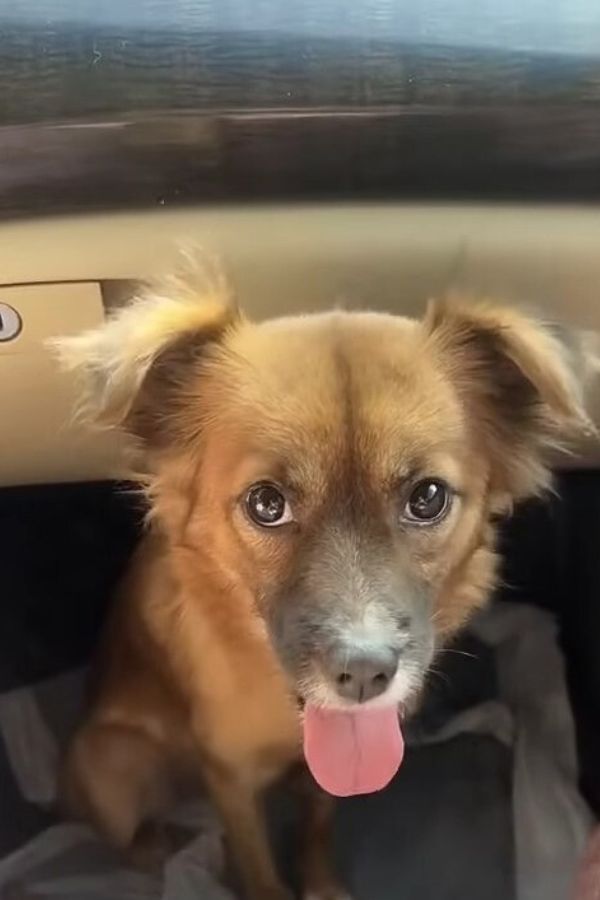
point(346, 410)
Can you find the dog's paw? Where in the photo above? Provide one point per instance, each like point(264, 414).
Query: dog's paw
point(150, 849)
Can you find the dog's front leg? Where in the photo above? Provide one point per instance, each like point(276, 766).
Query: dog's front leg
point(319, 878)
point(246, 832)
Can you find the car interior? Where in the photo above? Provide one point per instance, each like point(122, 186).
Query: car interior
point(368, 156)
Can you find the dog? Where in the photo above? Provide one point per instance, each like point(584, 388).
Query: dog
point(324, 495)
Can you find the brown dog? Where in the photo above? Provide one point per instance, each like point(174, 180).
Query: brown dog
point(323, 492)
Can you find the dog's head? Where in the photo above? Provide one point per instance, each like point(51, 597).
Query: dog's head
point(342, 473)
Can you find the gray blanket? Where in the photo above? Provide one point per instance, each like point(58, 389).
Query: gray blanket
point(484, 806)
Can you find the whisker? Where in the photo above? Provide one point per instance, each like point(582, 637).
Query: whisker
point(458, 652)
point(441, 675)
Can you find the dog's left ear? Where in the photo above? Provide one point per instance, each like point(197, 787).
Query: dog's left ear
point(522, 383)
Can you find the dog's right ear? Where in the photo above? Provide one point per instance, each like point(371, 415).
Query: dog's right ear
point(130, 366)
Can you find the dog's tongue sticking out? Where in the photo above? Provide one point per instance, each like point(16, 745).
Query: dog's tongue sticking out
point(352, 753)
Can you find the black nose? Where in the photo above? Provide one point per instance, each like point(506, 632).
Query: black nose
point(360, 677)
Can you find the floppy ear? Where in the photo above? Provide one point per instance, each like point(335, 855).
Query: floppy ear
point(130, 366)
point(522, 384)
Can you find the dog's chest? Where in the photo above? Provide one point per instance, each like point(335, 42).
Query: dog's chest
point(252, 723)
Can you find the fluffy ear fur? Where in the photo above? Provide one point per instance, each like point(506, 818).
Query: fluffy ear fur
point(522, 382)
point(141, 348)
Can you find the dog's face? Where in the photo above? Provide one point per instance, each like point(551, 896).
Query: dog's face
point(342, 473)
point(340, 478)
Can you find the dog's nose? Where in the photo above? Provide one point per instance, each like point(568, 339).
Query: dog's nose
point(361, 677)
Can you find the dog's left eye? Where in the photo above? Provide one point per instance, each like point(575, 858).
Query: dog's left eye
point(266, 506)
point(429, 501)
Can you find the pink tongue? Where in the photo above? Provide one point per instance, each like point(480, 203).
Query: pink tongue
point(352, 753)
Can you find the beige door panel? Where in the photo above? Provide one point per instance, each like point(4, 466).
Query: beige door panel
point(39, 439)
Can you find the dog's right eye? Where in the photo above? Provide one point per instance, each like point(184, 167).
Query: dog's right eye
point(266, 506)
